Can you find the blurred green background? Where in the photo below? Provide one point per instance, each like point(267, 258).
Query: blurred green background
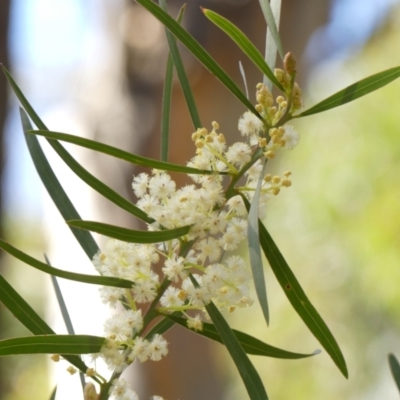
point(337, 226)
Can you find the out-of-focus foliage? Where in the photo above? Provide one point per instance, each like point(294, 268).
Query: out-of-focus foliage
point(24, 375)
point(339, 228)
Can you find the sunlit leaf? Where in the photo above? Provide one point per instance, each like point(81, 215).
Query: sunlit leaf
point(250, 344)
point(300, 301)
point(354, 91)
point(130, 235)
point(272, 12)
point(395, 369)
point(121, 154)
point(96, 280)
point(51, 344)
point(256, 263)
point(197, 50)
point(244, 43)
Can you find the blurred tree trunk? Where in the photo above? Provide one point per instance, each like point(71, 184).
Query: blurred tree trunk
point(4, 59)
point(187, 372)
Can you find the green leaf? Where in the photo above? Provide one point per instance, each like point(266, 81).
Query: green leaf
point(51, 344)
point(197, 50)
point(161, 327)
point(98, 185)
point(250, 344)
point(96, 280)
point(55, 190)
point(130, 235)
point(62, 305)
point(395, 369)
point(269, 10)
point(183, 79)
point(65, 314)
point(45, 172)
point(244, 43)
point(272, 14)
point(121, 154)
point(299, 300)
point(354, 91)
point(21, 310)
point(256, 263)
point(248, 373)
point(53, 393)
point(30, 319)
point(166, 109)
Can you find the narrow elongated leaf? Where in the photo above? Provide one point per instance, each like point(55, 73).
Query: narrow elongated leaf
point(30, 319)
point(21, 309)
point(121, 154)
point(65, 314)
point(250, 344)
point(130, 235)
point(78, 169)
point(98, 185)
point(300, 301)
point(161, 327)
point(395, 369)
point(244, 43)
point(272, 15)
point(62, 305)
point(45, 172)
point(248, 373)
point(197, 50)
point(354, 91)
point(53, 394)
point(166, 108)
point(95, 280)
point(51, 344)
point(256, 263)
point(180, 70)
point(55, 190)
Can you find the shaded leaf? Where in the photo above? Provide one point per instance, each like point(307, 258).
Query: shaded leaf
point(395, 369)
point(354, 91)
point(98, 185)
point(30, 319)
point(244, 43)
point(197, 50)
point(53, 394)
point(130, 235)
point(55, 190)
point(92, 279)
point(161, 327)
point(250, 344)
point(248, 373)
point(166, 109)
point(180, 70)
point(51, 344)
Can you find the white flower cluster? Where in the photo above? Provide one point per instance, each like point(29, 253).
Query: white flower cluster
point(193, 270)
